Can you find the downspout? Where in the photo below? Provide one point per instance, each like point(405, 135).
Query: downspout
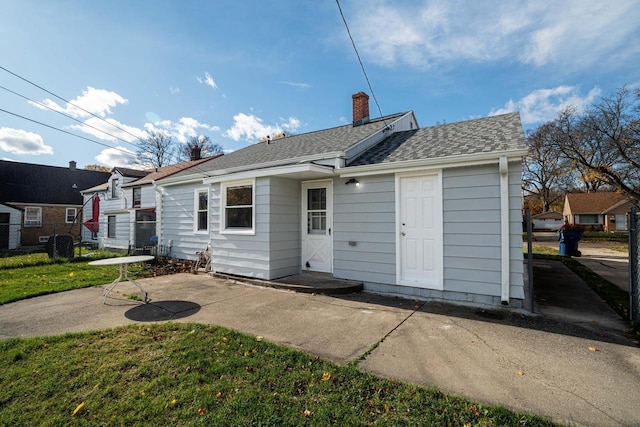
point(160, 193)
point(504, 228)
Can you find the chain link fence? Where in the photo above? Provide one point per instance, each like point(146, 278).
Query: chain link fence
point(116, 233)
point(634, 266)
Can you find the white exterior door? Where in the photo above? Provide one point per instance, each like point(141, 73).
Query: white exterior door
point(420, 231)
point(317, 214)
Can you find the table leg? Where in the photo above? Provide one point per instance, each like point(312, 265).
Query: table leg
point(126, 274)
point(113, 284)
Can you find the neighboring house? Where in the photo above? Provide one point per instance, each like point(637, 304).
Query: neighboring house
point(9, 226)
point(547, 221)
point(127, 207)
point(48, 196)
point(432, 212)
point(603, 210)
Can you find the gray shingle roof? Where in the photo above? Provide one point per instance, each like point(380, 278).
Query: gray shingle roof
point(490, 134)
point(292, 147)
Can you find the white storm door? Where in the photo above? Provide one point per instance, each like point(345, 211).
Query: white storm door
point(317, 214)
point(420, 231)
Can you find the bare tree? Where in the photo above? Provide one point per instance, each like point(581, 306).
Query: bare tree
point(604, 142)
point(546, 175)
point(156, 149)
point(203, 144)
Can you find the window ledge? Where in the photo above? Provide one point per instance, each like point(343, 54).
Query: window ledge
point(247, 232)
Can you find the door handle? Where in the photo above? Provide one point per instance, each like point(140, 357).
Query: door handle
point(329, 232)
point(403, 234)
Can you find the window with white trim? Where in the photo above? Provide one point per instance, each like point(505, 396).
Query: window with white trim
point(137, 197)
point(70, 217)
point(238, 200)
point(33, 216)
point(114, 188)
point(201, 208)
point(111, 226)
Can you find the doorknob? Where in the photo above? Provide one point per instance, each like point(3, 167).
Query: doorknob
point(403, 233)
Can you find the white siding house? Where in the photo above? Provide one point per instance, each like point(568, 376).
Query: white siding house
point(423, 212)
point(10, 218)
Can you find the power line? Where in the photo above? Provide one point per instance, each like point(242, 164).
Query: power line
point(177, 158)
point(64, 131)
point(67, 115)
point(359, 59)
point(68, 102)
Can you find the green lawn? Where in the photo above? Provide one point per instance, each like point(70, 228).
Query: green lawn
point(26, 276)
point(191, 374)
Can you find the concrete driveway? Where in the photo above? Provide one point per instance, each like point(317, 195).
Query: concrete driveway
point(528, 363)
point(609, 264)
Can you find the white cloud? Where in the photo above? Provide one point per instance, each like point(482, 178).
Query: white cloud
point(95, 101)
point(298, 85)
point(174, 90)
point(109, 130)
point(252, 128)
point(208, 80)
point(574, 33)
point(18, 141)
point(183, 129)
point(543, 105)
point(119, 156)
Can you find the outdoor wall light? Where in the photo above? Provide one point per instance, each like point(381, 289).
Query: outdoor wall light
point(353, 181)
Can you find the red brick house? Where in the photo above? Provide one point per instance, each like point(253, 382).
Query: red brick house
point(48, 197)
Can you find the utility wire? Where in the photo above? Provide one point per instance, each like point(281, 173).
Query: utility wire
point(68, 102)
point(353, 43)
point(196, 168)
point(67, 115)
point(64, 131)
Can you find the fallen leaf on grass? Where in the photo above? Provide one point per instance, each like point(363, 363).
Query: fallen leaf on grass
point(307, 413)
point(326, 376)
point(259, 338)
point(75, 411)
point(201, 411)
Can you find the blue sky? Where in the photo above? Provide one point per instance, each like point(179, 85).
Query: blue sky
point(237, 71)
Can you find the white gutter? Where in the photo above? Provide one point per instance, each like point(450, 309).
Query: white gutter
point(426, 164)
point(160, 192)
point(504, 227)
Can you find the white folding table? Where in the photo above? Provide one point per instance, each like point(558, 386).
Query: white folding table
point(123, 262)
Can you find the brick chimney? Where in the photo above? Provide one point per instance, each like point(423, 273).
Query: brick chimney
point(72, 165)
point(360, 108)
point(195, 153)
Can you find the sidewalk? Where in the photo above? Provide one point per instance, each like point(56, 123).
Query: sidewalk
point(527, 363)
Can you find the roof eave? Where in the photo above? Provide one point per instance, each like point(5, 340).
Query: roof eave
point(435, 163)
point(267, 165)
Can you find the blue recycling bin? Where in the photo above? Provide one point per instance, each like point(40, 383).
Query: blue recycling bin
point(569, 242)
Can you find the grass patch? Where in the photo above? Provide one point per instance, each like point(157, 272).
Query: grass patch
point(188, 374)
point(27, 276)
point(601, 236)
point(12, 260)
point(540, 250)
